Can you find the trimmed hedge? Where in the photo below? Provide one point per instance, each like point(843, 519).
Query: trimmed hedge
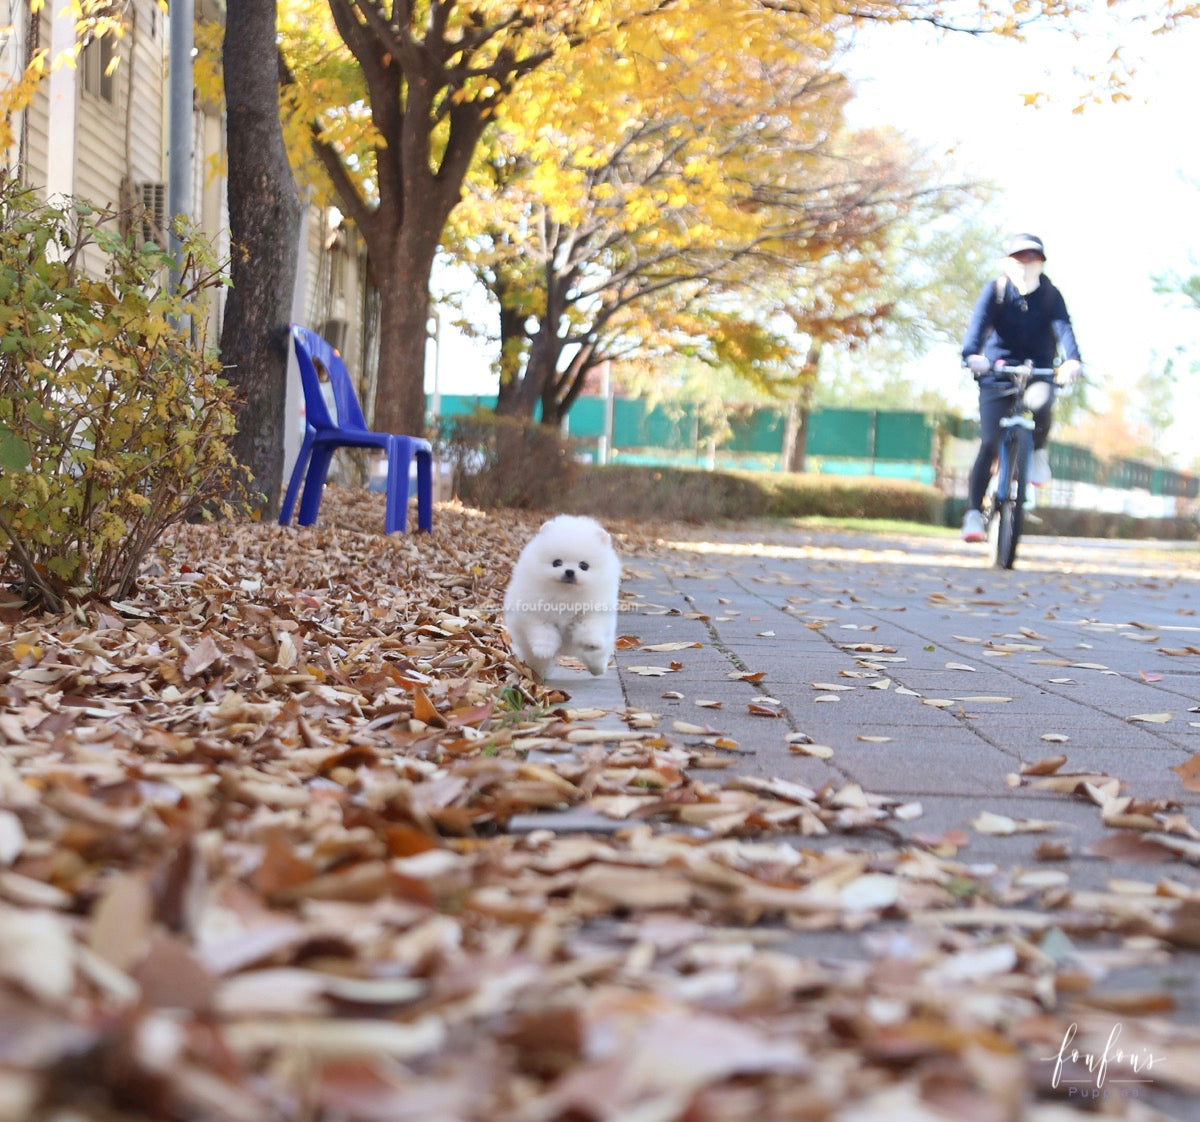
point(696, 495)
point(499, 462)
point(504, 462)
point(1104, 524)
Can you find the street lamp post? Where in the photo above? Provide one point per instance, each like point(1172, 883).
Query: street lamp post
point(180, 140)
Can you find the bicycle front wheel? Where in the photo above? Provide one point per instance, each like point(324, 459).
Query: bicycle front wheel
point(1010, 499)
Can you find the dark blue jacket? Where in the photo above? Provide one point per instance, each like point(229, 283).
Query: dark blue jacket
point(1008, 327)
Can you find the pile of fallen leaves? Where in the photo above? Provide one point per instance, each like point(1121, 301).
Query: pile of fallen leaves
point(257, 862)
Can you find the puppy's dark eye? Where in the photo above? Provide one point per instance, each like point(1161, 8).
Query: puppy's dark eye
point(583, 565)
point(557, 563)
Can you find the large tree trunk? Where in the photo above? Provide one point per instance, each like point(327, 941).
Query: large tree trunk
point(264, 228)
point(541, 364)
point(796, 445)
point(796, 441)
point(540, 367)
point(403, 284)
point(420, 64)
point(402, 242)
point(562, 391)
point(513, 350)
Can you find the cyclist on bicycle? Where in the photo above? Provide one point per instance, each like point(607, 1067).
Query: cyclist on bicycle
point(1019, 318)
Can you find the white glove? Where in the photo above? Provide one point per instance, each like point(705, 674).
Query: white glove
point(1068, 374)
point(977, 364)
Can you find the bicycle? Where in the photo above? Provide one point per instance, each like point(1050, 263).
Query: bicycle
point(1004, 506)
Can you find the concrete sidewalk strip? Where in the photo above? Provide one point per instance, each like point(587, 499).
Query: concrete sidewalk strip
point(920, 671)
point(950, 646)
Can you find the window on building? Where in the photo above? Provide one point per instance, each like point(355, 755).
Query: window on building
point(339, 271)
point(97, 66)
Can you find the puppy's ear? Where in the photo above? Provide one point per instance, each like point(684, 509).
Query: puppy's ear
point(604, 536)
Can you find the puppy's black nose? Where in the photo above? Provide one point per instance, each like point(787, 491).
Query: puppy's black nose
point(568, 576)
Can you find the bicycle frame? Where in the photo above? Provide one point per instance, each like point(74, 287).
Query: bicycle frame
point(1006, 516)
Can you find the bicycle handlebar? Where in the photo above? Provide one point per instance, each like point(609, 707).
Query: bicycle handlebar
point(998, 367)
point(1032, 371)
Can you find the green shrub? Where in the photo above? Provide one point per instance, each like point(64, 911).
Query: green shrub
point(667, 493)
point(114, 425)
point(1107, 524)
point(695, 495)
point(852, 496)
point(507, 461)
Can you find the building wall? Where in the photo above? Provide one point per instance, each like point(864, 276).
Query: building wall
point(117, 116)
point(121, 117)
point(334, 272)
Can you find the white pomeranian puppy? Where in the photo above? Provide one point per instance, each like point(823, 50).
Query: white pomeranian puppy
point(562, 596)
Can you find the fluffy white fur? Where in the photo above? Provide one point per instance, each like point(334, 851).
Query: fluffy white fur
point(562, 596)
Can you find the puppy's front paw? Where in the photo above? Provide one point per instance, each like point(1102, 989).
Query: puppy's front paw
point(592, 644)
point(596, 662)
point(540, 667)
point(543, 642)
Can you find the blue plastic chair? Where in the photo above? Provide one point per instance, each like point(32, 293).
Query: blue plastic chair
point(324, 434)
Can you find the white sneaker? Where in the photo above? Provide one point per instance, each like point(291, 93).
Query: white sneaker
point(973, 529)
point(1039, 468)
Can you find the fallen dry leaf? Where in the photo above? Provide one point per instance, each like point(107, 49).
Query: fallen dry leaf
point(1189, 772)
point(1047, 766)
point(761, 709)
point(987, 822)
point(818, 751)
point(1128, 847)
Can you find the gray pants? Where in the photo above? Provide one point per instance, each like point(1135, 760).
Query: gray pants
point(993, 407)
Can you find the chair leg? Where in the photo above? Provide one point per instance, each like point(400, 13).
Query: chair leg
point(425, 490)
point(293, 488)
point(399, 456)
point(314, 484)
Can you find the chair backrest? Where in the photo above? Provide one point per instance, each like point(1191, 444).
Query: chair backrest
point(312, 350)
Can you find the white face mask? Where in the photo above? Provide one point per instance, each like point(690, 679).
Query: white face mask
point(1025, 275)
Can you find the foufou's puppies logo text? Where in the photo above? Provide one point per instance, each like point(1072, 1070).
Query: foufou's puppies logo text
point(1115, 1069)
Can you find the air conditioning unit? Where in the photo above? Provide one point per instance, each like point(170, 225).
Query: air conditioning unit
point(153, 200)
point(334, 332)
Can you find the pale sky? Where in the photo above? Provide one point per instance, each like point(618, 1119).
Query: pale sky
point(1114, 191)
